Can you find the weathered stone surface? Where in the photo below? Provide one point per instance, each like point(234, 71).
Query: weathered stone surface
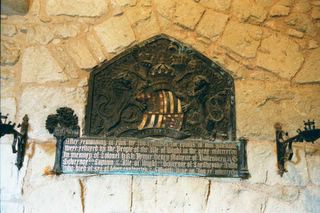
point(42, 157)
point(123, 3)
point(315, 13)
point(242, 39)
point(249, 11)
point(316, 3)
point(267, 172)
point(10, 179)
point(138, 14)
point(7, 82)
point(280, 55)
point(212, 24)
point(301, 22)
point(313, 44)
point(40, 34)
point(295, 33)
point(8, 29)
point(39, 66)
point(80, 53)
point(228, 197)
point(279, 10)
point(115, 33)
point(216, 4)
point(96, 47)
point(58, 194)
point(191, 18)
point(313, 162)
point(166, 8)
point(144, 190)
point(271, 103)
point(107, 194)
point(44, 33)
point(147, 28)
point(312, 198)
point(45, 101)
point(10, 53)
point(65, 61)
point(310, 71)
point(302, 6)
point(8, 106)
point(91, 8)
point(183, 194)
point(66, 30)
point(274, 205)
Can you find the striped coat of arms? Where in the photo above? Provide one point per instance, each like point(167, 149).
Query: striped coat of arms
point(164, 110)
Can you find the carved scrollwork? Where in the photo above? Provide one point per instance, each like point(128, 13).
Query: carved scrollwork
point(161, 88)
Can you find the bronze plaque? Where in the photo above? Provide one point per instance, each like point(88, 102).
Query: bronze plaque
point(160, 107)
point(161, 88)
point(153, 157)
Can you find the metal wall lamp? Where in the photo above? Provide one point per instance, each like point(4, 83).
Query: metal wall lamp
point(19, 138)
point(284, 143)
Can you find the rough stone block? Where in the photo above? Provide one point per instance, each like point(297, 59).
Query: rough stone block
point(147, 28)
point(40, 34)
point(315, 13)
point(229, 197)
point(96, 47)
point(302, 22)
point(8, 106)
point(273, 103)
point(8, 29)
point(212, 24)
point(115, 33)
point(123, 3)
point(91, 8)
point(242, 39)
point(58, 194)
point(10, 52)
point(313, 162)
point(39, 66)
point(80, 53)
point(7, 82)
point(40, 101)
point(280, 55)
point(166, 8)
point(311, 198)
point(138, 14)
point(40, 165)
point(188, 14)
point(108, 194)
point(144, 192)
point(279, 10)
point(181, 194)
point(216, 4)
point(310, 71)
point(249, 11)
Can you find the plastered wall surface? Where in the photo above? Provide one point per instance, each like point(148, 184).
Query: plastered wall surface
point(270, 47)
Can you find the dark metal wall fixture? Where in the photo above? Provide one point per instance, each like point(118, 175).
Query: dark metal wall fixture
point(284, 142)
point(19, 138)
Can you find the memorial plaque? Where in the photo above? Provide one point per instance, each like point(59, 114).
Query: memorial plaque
point(158, 108)
point(161, 88)
point(153, 157)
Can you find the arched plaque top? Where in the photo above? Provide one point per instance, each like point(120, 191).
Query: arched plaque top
point(161, 88)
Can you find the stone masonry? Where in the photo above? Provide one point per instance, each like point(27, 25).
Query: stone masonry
point(270, 47)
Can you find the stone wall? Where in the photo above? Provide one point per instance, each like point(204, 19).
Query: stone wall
point(270, 47)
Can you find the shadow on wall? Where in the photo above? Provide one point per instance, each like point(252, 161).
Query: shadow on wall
point(14, 7)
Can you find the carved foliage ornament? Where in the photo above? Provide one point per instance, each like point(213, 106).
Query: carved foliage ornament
point(161, 87)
